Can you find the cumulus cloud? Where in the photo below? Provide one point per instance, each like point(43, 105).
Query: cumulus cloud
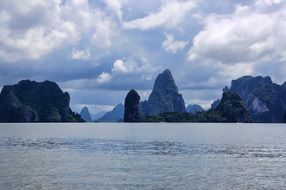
point(116, 7)
point(140, 72)
point(245, 36)
point(28, 31)
point(103, 78)
point(91, 22)
point(169, 15)
point(120, 67)
point(172, 45)
point(113, 82)
point(133, 66)
point(268, 2)
point(33, 29)
point(80, 54)
point(103, 34)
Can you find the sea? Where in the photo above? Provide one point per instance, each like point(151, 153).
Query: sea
point(142, 156)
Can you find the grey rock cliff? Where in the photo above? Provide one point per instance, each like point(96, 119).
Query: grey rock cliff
point(265, 100)
point(131, 105)
point(165, 96)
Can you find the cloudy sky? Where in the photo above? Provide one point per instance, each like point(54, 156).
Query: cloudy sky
point(99, 49)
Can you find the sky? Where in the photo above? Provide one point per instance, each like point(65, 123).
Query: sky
point(97, 50)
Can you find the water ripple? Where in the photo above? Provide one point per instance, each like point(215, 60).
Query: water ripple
point(128, 147)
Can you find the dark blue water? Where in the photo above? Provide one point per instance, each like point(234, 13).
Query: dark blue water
point(142, 156)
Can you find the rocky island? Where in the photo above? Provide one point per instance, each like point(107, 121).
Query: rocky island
point(132, 113)
point(30, 101)
point(265, 100)
point(164, 97)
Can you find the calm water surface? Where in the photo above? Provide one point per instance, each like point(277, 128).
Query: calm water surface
point(142, 156)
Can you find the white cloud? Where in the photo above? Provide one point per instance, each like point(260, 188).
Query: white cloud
point(120, 67)
point(28, 31)
point(80, 54)
point(116, 7)
point(33, 29)
point(235, 71)
point(267, 2)
point(172, 45)
point(170, 15)
point(123, 71)
point(90, 21)
point(104, 31)
point(103, 78)
point(246, 36)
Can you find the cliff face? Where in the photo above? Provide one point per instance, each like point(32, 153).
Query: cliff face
point(132, 113)
point(232, 108)
point(165, 96)
point(265, 100)
point(30, 101)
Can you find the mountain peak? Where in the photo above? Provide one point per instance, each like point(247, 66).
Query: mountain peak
point(85, 108)
point(167, 72)
point(165, 81)
point(85, 114)
point(165, 96)
point(115, 115)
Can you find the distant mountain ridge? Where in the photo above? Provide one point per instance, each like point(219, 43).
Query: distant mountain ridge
point(194, 108)
point(97, 116)
point(85, 114)
point(115, 115)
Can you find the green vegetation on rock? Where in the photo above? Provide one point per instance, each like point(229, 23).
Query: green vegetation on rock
point(30, 101)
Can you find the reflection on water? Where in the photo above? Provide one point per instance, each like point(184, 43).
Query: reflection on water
point(160, 158)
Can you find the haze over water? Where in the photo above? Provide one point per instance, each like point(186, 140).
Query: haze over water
point(142, 156)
